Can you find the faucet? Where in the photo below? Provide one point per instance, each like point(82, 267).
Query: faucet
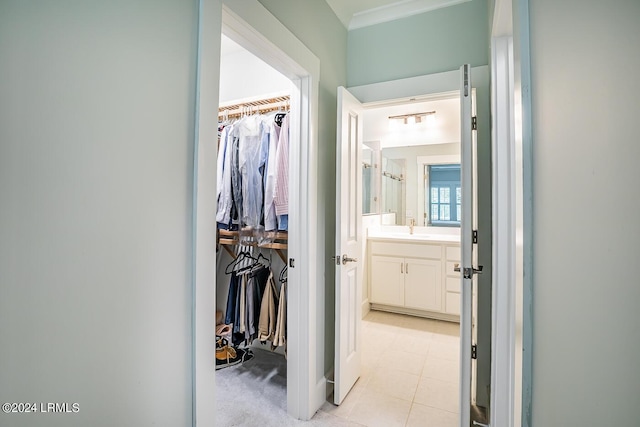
point(412, 223)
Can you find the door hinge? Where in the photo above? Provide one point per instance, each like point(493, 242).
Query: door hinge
point(474, 123)
point(474, 351)
point(475, 236)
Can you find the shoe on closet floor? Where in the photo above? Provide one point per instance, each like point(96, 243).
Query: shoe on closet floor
point(227, 356)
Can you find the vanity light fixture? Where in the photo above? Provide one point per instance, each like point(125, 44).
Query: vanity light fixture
point(412, 118)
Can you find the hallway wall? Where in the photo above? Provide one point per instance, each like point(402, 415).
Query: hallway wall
point(585, 208)
point(97, 111)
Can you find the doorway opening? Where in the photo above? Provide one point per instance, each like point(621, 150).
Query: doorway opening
point(240, 23)
point(252, 236)
point(412, 300)
point(392, 253)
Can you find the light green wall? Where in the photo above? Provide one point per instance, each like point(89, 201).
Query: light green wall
point(97, 113)
point(432, 42)
point(586, 293)
point(315, 24)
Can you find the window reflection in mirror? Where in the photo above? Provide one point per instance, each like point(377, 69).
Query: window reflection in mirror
point(443, 195)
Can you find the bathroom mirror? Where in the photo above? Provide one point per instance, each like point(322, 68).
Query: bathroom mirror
point(406, 189)
point(411, 135)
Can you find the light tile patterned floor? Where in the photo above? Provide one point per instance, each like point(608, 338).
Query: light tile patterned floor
point(409, 376)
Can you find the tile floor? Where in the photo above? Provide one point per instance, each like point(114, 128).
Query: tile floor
point(409, 377)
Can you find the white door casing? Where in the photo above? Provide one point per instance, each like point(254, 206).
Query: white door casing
point(348, 243)
point(249, 24)
point(467, 175)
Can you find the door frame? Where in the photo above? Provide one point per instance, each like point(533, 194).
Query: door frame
point(513, 231)
point(252, 26)
point(504, 346)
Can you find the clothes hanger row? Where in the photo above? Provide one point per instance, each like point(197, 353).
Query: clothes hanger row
point(245, 261)
point(246, 109)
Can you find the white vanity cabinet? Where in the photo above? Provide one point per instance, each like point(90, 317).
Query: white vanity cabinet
point(408, 282)
point(412, 277)
point(452, 281)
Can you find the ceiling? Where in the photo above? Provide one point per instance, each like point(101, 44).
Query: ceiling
point(229, 47)
point(361, 13)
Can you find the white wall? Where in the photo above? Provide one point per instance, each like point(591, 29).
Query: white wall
point(586, 297)
point(243, 75)
point(96, 150)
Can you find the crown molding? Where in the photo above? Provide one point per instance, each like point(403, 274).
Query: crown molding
point(399, 10)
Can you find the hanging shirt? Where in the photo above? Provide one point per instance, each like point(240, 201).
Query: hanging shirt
point(224, 189)
point(267, 324)
point(282, 170)
point(249, 166)
point(280, 337)
point(236, 178)
point(270, 222)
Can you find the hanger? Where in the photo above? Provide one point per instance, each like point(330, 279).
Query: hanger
point(258, 263)
point(283, 274)
point(235, 266)
point(278, 118)
point(263, 260)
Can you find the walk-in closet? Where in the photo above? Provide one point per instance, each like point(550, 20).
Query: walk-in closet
point(252, 235)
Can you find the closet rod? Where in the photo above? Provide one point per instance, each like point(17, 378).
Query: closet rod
point(232, 238)
point(258, 106)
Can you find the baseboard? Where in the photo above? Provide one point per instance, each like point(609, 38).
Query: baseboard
point(366, 307)
point(319, 396)
point(419, 313)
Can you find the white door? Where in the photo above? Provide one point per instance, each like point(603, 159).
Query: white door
point(348, 243)
point(467, 269)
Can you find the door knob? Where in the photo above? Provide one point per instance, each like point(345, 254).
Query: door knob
point(468, 272)
point(346, 259)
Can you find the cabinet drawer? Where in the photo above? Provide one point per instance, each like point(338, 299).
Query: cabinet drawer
point(406, 249)
point(453, 253)
point(452, 303)
point(450, 269)
point(453, 284)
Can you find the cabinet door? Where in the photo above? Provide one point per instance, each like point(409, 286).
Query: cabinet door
point(387, 280)
point(423, 284)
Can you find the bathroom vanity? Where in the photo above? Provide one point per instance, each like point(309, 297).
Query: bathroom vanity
point(414, 273)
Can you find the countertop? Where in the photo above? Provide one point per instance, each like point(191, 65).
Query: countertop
point(416, 237)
